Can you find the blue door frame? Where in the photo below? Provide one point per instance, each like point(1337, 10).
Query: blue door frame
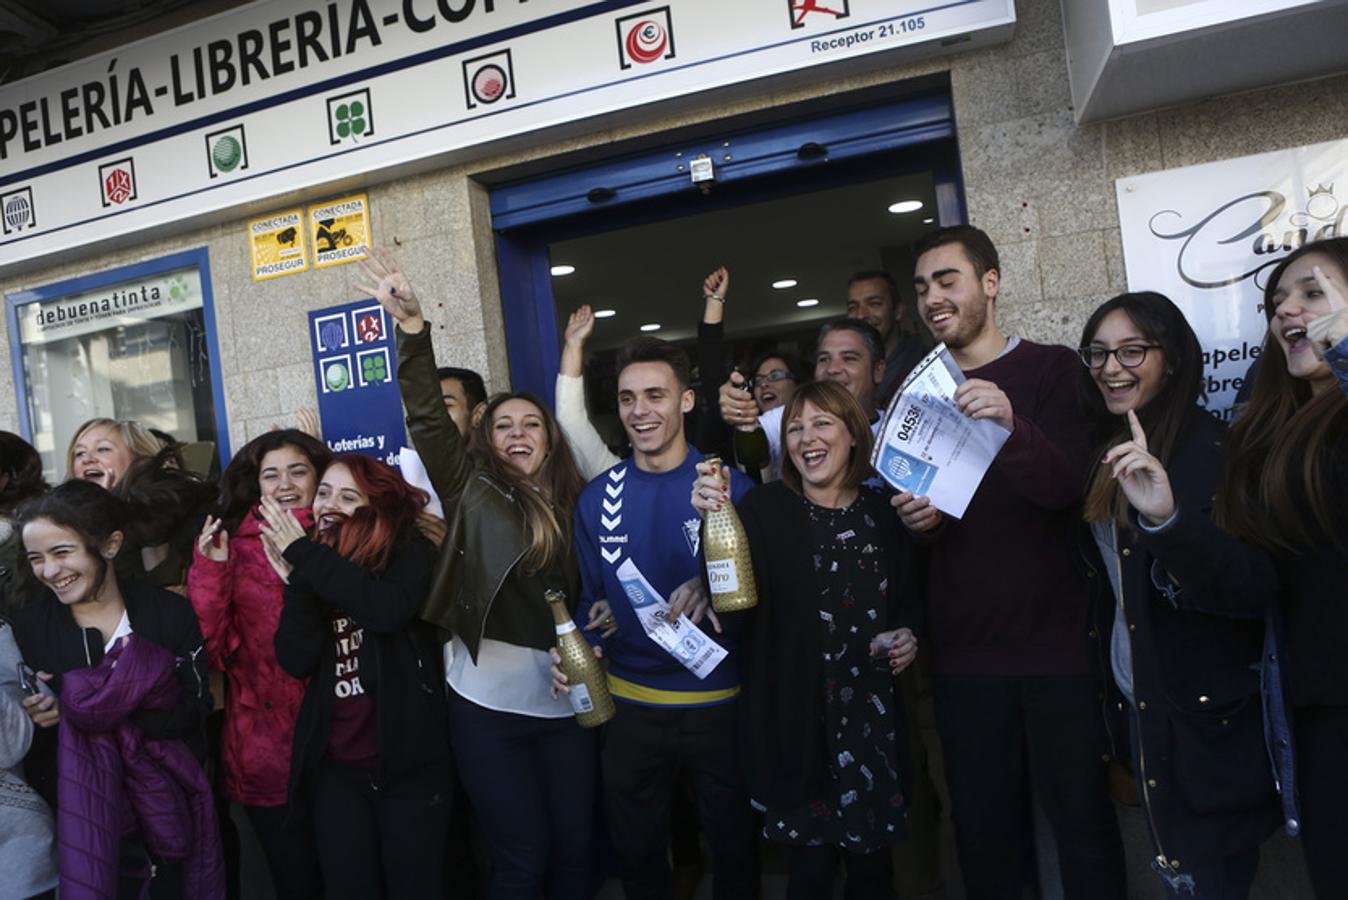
point(197, 258)
point(880, 140)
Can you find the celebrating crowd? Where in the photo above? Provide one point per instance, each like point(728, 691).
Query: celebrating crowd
point(1138, 605)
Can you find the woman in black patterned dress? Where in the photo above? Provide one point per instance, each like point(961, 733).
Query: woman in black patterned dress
point(823, 725)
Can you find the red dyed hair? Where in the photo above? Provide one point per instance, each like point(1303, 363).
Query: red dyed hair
point(366, 537)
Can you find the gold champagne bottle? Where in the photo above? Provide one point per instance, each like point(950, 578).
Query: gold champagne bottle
point(730, 572)
point(589, 695)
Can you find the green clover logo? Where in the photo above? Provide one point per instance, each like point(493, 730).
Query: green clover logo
point(374, 369)
point(351, 119)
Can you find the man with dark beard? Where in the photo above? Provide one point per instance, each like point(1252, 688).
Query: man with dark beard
point(1007, 610)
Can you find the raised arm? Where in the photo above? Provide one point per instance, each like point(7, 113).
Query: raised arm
point(433, 433)
point(592, 454)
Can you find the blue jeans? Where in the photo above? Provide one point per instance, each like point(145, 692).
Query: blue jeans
point(532, 786)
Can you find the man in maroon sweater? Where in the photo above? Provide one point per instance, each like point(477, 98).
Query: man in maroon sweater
point(1017, 697)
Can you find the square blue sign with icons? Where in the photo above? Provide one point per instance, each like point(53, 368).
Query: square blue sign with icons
point(355, 371)
point(905, 471)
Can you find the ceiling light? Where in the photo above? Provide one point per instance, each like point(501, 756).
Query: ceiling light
point(605, 313)
point(558, 271)
point(905, 206)
point(810, 302)
point(785, 283)
point(929, 221)
point(651, 326)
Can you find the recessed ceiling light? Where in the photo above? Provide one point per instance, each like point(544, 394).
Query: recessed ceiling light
point(558, 271)
point(810, 302)
point(905, 206)
point(605, 313)
point(785, 283)
point(651, 326)
point(928, 221)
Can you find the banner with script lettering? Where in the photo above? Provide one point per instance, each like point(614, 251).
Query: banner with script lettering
point(270, 98)
point(1208, 236)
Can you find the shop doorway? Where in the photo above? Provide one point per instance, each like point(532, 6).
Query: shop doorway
point(793, 210)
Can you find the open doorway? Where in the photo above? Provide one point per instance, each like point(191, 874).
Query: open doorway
point(789, 257)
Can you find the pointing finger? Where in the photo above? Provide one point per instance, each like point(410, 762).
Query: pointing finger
point(1139, 435)
point(1331, 291)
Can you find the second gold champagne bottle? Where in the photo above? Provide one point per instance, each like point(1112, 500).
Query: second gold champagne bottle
point(590, 699)
point(730, 571)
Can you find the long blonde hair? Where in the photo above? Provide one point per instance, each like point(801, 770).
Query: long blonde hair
point(135, 435)
point(549, 499)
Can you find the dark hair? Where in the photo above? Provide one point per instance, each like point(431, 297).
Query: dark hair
point(239, 491)
point(1280, 452)
point(84, 508)
point(23, 465)
point(547, 511)
point(788, 356)
point(368, 535)
point(163, 500)
point(650, 349)
point(1163, 418)
point(474, 389)
point(171, 444)
point(838, 402)
point(869, 335)
point(878, 275)
point(977, 246)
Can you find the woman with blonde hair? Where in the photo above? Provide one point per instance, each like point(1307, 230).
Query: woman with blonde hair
point(102, 449)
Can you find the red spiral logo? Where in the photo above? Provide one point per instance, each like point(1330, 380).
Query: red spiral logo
point(646, 42)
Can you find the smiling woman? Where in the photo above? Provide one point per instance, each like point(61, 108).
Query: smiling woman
point(102, 449)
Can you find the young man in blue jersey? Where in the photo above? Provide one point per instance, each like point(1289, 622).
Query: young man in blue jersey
point(668, 720)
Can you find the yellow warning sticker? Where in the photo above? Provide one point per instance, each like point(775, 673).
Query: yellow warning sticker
point(340, 231)
point(277, 245)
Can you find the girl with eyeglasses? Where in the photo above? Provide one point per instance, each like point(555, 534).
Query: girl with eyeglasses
point(1286, 489)
point(1181, 624)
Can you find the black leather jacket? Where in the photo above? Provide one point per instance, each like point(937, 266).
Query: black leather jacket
point(487, 534)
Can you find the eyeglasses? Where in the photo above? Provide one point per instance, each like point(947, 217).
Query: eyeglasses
point(774, 375)
point(1130, 356)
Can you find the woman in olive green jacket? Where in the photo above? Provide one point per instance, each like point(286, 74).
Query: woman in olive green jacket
point(508, 493)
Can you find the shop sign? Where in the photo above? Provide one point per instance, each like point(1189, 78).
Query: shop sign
point(98, 310)
point(276, 244)
point(340, 230)
point(1207, 237)
point(357, 380)
point(269, 98)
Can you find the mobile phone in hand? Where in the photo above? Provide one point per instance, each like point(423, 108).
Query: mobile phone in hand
point(28, 680)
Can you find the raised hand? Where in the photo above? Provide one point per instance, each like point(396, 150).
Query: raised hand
point(385, 282)
point(580, 325)
point(917, 513)
point(278, 562)
point(717, 284)
point(1141, 476)
point(979, 399)
point(279, 527)
point(711, 488)
point(1329, 330)
point(213, 543)
point(306, 420)
point(738, 406)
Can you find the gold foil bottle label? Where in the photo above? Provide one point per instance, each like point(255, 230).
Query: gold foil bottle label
point(589, 695)
point(730, 572)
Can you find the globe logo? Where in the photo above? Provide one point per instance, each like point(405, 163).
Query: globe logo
point(18, 212)
point(227, 154)
point(899, 467)
point(337, 376)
